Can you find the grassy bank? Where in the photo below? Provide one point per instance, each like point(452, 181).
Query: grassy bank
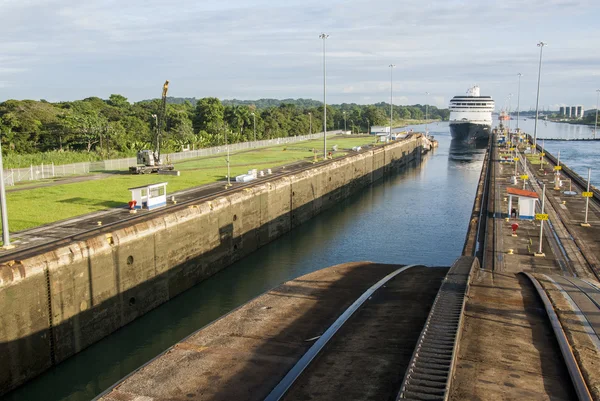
point(37, 206)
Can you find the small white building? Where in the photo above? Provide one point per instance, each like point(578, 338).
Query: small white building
point(383, 137)
point(378, 129)
point(526, 202)
point(149, 196)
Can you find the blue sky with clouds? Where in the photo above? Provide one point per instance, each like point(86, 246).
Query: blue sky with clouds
point(71, 49)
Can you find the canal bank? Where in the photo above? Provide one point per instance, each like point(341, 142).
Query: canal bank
point(417, 215)
point(63, 300)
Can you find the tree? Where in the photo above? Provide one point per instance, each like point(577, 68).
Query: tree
point(209, 115)
point(118, 101)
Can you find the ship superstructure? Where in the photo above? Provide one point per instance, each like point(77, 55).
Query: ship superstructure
point(471, 115)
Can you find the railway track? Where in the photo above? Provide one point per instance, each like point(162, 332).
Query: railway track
point(589, 310)
point(573, 254)
point(365, 352)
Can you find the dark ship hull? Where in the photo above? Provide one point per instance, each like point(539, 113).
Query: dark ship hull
point(469, 132)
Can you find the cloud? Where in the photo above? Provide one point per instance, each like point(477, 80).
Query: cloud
point(68, 49)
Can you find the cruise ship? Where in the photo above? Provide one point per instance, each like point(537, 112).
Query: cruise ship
point(471, 116)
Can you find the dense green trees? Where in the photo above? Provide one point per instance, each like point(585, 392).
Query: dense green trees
point(115, 127)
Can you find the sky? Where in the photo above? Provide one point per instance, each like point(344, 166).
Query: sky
point(72, 49)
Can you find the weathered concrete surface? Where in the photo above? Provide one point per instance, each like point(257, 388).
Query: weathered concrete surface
point(55, 304)
point(243, 355)
point(508, 349)
point(368, 357)
point(583, 340)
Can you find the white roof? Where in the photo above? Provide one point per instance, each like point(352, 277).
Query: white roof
point(149, 186)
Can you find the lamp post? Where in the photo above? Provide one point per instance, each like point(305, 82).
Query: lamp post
point(426, 113)
point(391, 97)
point(228, 161)
point(509, 110)
point(596, 123)
point(5, 234)
point(254, 118)
point(324, 36)
point(537, 102)
point(518, 100)
point(310, 123)
point(540, 253)
point(344, 122)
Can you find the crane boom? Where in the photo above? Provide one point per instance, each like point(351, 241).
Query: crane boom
point(162, 113)
point(149, 161)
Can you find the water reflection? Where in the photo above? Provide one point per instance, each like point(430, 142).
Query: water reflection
point(462, 152)
point(419, 215)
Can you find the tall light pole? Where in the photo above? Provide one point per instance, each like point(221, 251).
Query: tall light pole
point(596, 123)
point(537, 102)
point(344, 122)
point(228, 161)
point(426, 112)
point(509, 110)
point(254, 117)
point(518, 100)
point(324, 36)
point(5, 233)
point(310, 123)
point(391, 97)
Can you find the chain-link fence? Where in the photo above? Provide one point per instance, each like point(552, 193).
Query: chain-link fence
point(49, 171)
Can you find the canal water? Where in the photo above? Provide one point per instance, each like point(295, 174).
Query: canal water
point(578, 155)
point(419, 215)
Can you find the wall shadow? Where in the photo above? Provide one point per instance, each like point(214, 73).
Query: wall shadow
point(46, 348)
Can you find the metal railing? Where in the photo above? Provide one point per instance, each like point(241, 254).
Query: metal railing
point(48, 171)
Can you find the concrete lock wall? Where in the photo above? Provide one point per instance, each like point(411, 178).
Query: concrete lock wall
point(57, 303)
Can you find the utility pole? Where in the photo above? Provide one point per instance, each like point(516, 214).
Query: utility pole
point(518, 100)
point(391, 97)
point(344, 122)
point(310, 123)
point(537, 102)
point(324, 36)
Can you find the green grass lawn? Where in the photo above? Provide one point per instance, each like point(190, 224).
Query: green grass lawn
point(33, 207)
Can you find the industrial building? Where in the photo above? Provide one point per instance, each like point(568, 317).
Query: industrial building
point(571, 111)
